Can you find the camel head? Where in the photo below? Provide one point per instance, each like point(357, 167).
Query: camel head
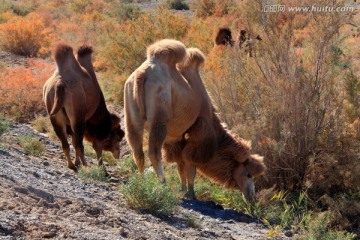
point(112, 142)
point(244, 175)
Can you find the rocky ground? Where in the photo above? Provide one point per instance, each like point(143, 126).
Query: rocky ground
point(41, 198)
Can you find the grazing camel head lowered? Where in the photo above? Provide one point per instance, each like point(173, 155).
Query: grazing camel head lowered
point(167, 97)
point(76, 106)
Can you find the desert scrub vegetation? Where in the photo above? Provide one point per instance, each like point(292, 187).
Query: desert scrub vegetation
point(4, 125)
point(94, 173)
point(106, 156)
point(177, 5)
point(27, 36)
point(21, 89)
point(296, 99)
point(127, 166)
point(146, 192)
point(32, 146)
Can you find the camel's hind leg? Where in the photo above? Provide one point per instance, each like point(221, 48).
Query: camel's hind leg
point(190, 171)
point(134, 135)
point(157, 134)
point(78, 129)
point(60, 130)
point(172, 152)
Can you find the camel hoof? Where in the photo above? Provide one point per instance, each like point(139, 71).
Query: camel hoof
point(190, 196)
point(73, 167)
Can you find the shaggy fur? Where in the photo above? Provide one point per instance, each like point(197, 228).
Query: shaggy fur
point(76, 106)
point(173, 104)
point(167, 50)
point(224, 37)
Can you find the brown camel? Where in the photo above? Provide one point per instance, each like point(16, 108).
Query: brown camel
point(76, 106)
point(167, 96)
point(245, 39)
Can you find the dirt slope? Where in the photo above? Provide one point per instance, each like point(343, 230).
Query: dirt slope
point(41, 198)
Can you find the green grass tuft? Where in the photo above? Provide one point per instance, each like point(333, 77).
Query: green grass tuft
point(94, 173)
point(146, 192)
point(32, 146)
point(4, 125)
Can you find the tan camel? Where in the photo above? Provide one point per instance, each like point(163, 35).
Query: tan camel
point(76, 106)
point(167, 96)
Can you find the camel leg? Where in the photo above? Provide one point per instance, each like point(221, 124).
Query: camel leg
point(60, 131)
point(190, 171)
point(134, 135)
point(77, 139)
point(182, 174)
point(156, 139)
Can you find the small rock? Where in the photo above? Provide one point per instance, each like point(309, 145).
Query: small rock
point(35, 174)
point(48, 234)
point(46, 163)
point(288, 233)
point(66, 202)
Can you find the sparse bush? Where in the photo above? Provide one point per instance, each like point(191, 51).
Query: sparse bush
point(145, 192)
point(27, 36)
point(177, 5)
point(205, 8)
point(32, 146)
point(4, 125)
point(42, 124)
point(125, 11)
point(319, 228)
point(125, 46)
point(21, 89)
point(93, 173)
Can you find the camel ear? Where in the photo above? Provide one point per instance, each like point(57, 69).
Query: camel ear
point(255, 165)
point(224, 37)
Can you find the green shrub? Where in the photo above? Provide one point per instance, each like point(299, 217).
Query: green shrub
point(93, 173)
point(42, 124)
point(32, 146)
point(4, 125)
point(177, 5)
point(125, 11)
point(146, 192)
point(319, 228)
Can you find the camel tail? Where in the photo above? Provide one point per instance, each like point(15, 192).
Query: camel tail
point(194, 58)
point(140, 93)
point(167, 51)
point(63, 53)
point(58, 99)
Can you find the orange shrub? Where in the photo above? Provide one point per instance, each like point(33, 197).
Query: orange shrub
point(26, 36)
point(21, 89)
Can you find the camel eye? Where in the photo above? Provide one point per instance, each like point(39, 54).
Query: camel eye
point(249, 175)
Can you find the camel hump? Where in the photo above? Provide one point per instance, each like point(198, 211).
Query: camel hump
point(62, 54)
point(194, 58)
point(224, 37)
point(168, 51)
point(84, 50)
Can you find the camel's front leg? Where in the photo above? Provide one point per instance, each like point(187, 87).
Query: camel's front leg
point(190, 171)
point(156, 139)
